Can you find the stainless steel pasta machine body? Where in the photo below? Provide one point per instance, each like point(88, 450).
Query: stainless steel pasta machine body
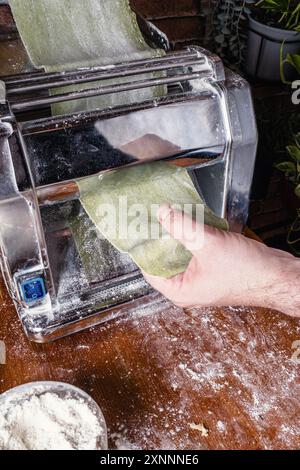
point(205, 121)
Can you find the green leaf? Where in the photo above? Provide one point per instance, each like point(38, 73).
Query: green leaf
point(267, 3)
point(294, 152)
point(294, 61)
point(286, 166)
point(289, 168)
point(297, 190)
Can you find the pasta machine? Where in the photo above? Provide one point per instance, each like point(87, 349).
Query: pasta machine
point(205, 121)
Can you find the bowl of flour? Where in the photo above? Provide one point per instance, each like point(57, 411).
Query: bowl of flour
point(50, 416)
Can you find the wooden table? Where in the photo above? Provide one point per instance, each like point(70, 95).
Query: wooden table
point(160, 370)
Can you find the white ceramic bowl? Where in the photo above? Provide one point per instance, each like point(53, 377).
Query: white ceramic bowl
point(19, 394)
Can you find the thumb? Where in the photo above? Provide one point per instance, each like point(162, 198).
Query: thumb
point(181, 227)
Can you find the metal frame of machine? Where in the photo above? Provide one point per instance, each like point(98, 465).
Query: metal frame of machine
point(223, 172)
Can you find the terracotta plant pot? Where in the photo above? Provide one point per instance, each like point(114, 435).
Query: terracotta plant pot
point(263, 51)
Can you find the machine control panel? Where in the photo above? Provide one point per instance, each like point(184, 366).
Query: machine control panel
point(33, 290)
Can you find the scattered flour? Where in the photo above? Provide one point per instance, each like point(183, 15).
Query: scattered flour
point(48, 422)
point(121, 443)
point(221, 426)
point(221, 366)
point(228, 368)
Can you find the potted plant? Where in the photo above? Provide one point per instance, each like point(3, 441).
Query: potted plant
point(273, 34)
point(294, 61)
point(291, 190)
point(229, 26)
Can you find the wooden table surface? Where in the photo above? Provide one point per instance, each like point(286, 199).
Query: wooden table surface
point(159, 370)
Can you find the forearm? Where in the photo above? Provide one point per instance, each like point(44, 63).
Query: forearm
point(229, 269)
point(284, 293)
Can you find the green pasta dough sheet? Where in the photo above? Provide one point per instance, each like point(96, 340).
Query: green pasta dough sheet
point(120, 203)
point(61, 35)
point(101, 261)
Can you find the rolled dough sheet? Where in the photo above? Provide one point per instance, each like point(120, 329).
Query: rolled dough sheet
point(101, 261)
point(61, 35)
point(145, 184)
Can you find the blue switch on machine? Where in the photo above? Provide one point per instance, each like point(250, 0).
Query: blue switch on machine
point(33, 290)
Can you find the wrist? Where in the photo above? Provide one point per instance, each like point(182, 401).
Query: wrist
point(282, 291)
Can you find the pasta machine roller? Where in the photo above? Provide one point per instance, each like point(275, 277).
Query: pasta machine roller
point(204, 121)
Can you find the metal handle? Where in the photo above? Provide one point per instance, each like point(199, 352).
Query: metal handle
point(69, 190)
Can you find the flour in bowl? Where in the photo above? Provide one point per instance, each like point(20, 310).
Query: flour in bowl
point(48, 422)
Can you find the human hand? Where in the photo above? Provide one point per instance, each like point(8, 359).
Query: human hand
point(229, 269)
